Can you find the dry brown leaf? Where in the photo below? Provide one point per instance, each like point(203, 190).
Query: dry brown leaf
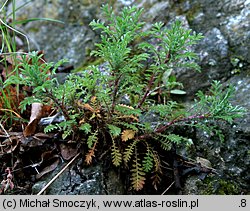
point(33, 141)
point(128, 134)
point(48, 169)
point(38, 110)
point(67, 151)
point(30, 129)
point(10, 144)
point(86, 106)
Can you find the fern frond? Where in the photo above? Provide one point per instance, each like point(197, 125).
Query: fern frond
point(138, 175)
point(156, 179)
point(128, 125)
point(128, 134)
point(90, 154)
point(114, 130)
point(129, 151)
point(50, 128)
point(126, 106)
point(132, 117)
point(218, 104)
point(92, 139)
point(116, 155)
point(157, 162)
point(89, 107)
point(164, 110)
point(177, 139)
point(127, 110)
point(148, 160)
point(86, 127)
point(94, 103)
point(165, 144)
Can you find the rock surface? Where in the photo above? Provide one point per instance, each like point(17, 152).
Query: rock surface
point(81, 181)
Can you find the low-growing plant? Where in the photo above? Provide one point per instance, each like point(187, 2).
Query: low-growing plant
point(10, 97)
point(109, 108)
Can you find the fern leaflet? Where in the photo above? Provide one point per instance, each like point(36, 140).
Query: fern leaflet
point(129, 151)
point(116, 155)
point(138, 175)
point(92, 139)
point(90, 154)
point(148, 160)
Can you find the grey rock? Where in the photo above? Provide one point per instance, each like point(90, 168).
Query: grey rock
point(213, 46)
point(241, 83)
point(77, 180)
point(191, 186)
point(157, 11)
point(70, 39)
point(237, 28)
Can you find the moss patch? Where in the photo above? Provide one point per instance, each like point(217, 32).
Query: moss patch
point(212, 186)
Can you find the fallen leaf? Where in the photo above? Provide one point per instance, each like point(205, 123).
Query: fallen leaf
point(10, 144)
point(67, 151)
point(38, 110)
point(48, 169)
point(30, 129)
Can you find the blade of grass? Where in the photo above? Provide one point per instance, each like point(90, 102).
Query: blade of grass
point(17, 8)
point(38, 19)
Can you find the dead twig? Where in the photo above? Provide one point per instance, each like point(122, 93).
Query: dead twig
point(168, 188)
point(55, 177)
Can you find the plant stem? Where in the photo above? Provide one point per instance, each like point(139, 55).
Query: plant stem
point(149, 87)
point(56, 101)
point(165, 126)
point(116, 86)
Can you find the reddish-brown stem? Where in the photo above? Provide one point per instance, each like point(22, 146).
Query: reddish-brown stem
point(62, 107)
point(116, 85)
point(149, 86)
point(164, 127)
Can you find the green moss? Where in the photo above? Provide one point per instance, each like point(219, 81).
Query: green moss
point(87, 64)
point(192, 13)
point(228, 188)
point(212, 186)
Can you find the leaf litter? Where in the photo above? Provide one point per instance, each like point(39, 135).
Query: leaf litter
point(25, 150)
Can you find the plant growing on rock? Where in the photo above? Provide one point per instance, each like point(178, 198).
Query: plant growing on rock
point(106, 108)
